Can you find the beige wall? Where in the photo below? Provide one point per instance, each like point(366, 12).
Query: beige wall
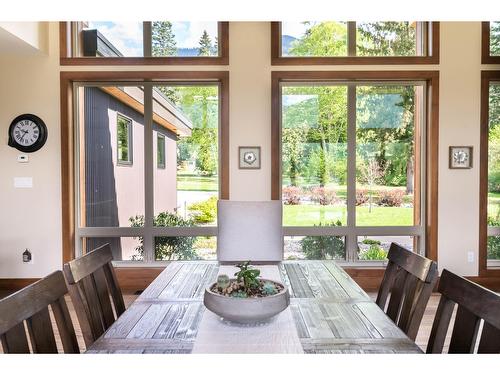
point(32, 86)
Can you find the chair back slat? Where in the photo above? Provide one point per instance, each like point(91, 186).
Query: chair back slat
point(489, 342)
point(407, 285)
point(91, 282)
point(465, 330)
point(102, 291)
point(475, 303)
point(31, 304)
point(440, 326)
point(65, 326)
point(41, 332)
point(15, 341)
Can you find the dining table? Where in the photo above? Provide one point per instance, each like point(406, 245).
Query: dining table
point(328, 313)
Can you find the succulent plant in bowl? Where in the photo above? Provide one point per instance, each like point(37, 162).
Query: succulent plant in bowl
point(247, 298)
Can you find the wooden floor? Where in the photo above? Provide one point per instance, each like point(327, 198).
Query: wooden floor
point(423, 334)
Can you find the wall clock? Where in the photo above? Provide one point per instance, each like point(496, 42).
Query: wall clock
point(27, 133)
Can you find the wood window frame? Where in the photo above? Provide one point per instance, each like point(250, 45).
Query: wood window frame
point(67, 46)
point(486, 78)
point(130, 141)
point(163, 150)
point(68, 116)
point(486, 58)
point(432, 131)
point(432, 58)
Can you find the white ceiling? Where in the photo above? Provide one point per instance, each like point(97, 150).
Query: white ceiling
point(11, 45)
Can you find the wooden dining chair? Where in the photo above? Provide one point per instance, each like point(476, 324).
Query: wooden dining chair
point(31, 304)
point(407, 284)
point(91, 280)
point(475, 304)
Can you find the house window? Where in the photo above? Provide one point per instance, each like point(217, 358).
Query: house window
point(490, 42)
point(149, 212)
point(156, 42)
point(353, 167)
point(124, 133)
point(492, 166)
point(336, 42)
point(160, 151)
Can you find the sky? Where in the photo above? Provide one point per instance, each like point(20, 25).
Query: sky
point(127, 36)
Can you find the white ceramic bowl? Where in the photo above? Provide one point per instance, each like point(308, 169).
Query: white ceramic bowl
point(247, 310)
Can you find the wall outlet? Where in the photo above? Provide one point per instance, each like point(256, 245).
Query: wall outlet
point(27, 257)
point(470, 256)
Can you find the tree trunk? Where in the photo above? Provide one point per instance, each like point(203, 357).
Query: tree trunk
point(409, 175)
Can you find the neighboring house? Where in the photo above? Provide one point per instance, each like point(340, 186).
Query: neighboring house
point(113, 119)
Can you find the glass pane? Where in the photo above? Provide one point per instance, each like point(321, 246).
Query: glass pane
point(314, 247)
point(123, 248)
point(315, 39)
point(386, 39)
point(494, 247)
point(160, 151)
point(385, 155)
point(377, 247)
point(314, 155)
point(187, 39)
point(112, 39)
point(495, 38)
point(123, 142)
point(186, 248)
point(187, 189)
point(111, 192)
point(494, 157)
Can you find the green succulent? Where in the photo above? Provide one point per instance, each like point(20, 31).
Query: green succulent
point(269, 288)
point(222, 281)
point(248, 275)
point(239, 294)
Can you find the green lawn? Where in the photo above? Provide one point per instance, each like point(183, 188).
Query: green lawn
point(494, 204)
point(193, 182)
point(308, 215)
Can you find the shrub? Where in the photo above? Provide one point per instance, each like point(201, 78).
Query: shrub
point(323, 196)
point(369, 241)
point(324, 247)
point(291, 195)
point(205, 211)
point(167, 248)
point(375, 252)
point(391, 198)
point(493, 245)
point(361, 197)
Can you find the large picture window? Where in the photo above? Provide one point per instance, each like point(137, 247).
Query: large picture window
point(490, 42)
point(490, 174)
point(335, 42)
point(352, 165)
point(154, 210)
point(156, 42)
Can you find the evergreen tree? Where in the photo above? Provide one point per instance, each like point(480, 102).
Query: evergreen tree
point(163, 44)
point(205, 48)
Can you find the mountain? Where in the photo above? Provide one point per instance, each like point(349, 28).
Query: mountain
point(286, 43)
point(187, 52)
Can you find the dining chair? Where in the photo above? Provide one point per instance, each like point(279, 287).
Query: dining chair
point(249, 230)
point(91, 280)
point(475, 305)
point(31, 305)
point(408, 282)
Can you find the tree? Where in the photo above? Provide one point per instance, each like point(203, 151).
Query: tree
point(386, 39)
point(495, 38)
point(163, 39)
point(370, 172)
point(205, 48)
point(163, 43)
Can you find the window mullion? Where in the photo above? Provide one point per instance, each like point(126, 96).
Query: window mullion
point(351, 240)
point(351, 38)
point(147, 39)
point(148, 173)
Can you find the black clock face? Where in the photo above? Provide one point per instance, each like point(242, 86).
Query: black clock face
point(27, 133)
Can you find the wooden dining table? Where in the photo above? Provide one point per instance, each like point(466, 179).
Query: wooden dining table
point(328, 313)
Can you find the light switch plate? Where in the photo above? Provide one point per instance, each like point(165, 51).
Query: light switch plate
point(23, 182)
point(470, 257)
point(22, 158)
